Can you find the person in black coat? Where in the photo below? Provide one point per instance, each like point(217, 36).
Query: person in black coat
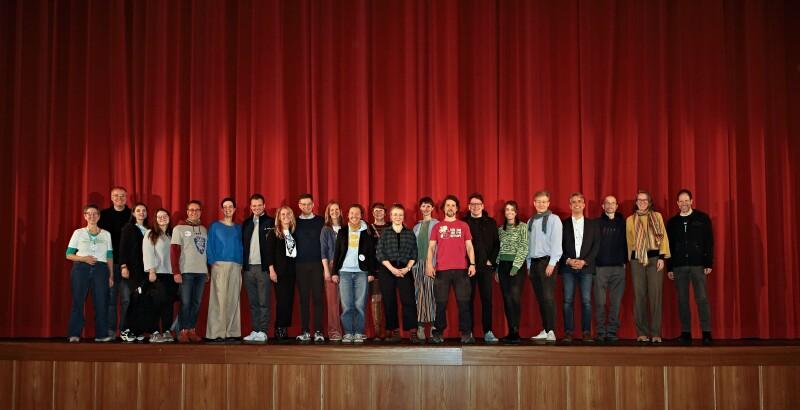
point(281, 256)
point(580, 242)
point(691, 243)
point(254, 269)
point(132, 267)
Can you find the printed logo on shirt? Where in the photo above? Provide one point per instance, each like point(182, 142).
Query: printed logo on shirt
point(449, 232)
point(200, 244)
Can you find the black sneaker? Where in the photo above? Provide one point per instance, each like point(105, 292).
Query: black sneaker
point(511, 338)
point(436, 339)
point(685, 338)
point(467, 339)
point(611, 338)
point(707, 340)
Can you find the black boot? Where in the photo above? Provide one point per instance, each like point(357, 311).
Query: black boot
point(511, 338)
point(685, 338)
point(707, 338)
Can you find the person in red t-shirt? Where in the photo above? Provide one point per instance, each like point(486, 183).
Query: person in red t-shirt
point(455, 264)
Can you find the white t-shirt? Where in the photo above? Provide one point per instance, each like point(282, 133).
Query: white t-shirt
point(83, 243)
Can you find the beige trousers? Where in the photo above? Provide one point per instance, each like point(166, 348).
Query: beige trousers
point(223, 301)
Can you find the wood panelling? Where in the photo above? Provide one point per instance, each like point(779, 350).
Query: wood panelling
point(395, 387)
point(444, 387)
point(402, 355)
point(566, 355)
point(734, 387)
point(7, 382)
point(690, 388)
point(640, 387)
point(74, 385)
point(250, 386)
point(205, 386)
point(544, 385)
point(781, 386)
point(298, 386)
point(346, 386)
point(116, 385)
point(34, 386)
point(470, 377)
point(592, 387)
point(160, 386)
point(493, 387)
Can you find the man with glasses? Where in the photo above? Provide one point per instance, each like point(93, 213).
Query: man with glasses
point(310, 275)
point(486, 242)
point(112, 219)
point(190, 268)
point(544, 251)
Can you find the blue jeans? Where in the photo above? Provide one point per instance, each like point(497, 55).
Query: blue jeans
point(353, 294)
point(569, 278)
point(85, 277)
point(191, 296)
point(120, 287)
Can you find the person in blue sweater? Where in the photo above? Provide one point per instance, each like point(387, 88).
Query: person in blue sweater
point(225, 253)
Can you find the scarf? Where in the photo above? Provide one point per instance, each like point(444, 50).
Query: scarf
point(543, 216)
point(647, 236)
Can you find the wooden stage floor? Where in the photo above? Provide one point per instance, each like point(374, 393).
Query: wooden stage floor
point(50, 373)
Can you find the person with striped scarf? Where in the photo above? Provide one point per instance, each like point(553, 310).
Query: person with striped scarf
point(648, 247)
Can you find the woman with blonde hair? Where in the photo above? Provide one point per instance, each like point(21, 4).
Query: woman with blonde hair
point(648, 246)
point(281, 258)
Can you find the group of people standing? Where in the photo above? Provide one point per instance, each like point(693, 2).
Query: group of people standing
point(339, 261)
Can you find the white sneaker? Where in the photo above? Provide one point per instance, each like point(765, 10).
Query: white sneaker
point(156, 337)
point(127, 336)
point(252, 337)
point(359, 338)
point(489, 337)
point(551, 336)
point(318, 337)
point(303, 337)
point(262, 337)
point(541, 336)
point(348, 338)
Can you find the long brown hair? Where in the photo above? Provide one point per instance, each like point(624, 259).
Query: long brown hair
point(155, 230)
point(328, 219)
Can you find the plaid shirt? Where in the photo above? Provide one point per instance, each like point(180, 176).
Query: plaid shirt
point(397, 247)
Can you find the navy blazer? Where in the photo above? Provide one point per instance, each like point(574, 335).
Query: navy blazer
point(589, 247)
point(265, 224)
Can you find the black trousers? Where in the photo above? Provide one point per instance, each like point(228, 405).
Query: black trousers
point(512, 291)
point(310, 280)
point(390, 286)
point(483, 281)
point(545, 288)
point(458, 279)
point(164, 312)
point(284, 295)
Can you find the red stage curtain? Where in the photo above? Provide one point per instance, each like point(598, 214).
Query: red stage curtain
point(392, 100)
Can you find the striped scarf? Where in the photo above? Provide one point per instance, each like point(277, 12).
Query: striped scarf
point(647, 236)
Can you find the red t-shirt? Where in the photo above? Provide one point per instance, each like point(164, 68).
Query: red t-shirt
point(451, 247)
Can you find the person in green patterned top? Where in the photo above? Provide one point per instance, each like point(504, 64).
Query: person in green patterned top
point(513, 250)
